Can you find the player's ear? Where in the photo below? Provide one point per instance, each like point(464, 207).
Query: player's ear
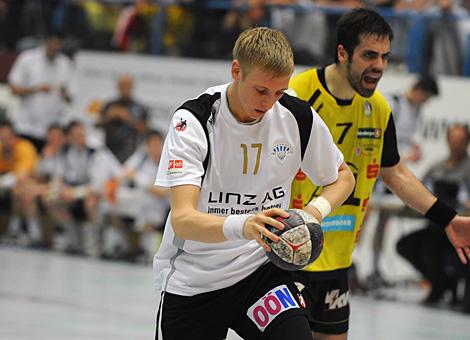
point(236, 70)
point(342, 54)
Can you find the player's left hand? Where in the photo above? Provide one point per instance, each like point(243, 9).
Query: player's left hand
point(458, 232)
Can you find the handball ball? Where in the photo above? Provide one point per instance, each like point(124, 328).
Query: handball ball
point(301, 241)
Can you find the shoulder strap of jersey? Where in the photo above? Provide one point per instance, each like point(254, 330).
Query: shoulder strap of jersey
point(302, 112)
point(202, 109)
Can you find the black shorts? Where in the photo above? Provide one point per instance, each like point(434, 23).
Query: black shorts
point(265, 305)
point(327, 299)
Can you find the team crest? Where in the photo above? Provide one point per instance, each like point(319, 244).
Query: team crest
point(367, 108)
point(281, 150)
point(181, 126)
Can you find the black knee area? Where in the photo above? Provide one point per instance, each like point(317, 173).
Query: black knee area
point(295, 327)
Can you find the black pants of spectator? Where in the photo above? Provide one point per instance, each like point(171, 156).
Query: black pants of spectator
point(431, 253)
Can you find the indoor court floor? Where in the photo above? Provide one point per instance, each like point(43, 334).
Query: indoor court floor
point(47, 296)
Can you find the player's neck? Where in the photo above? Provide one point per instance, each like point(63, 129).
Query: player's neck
point(337, 82)
point(233, 102)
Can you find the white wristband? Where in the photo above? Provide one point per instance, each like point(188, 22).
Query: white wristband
point(322, 205)
point(233, 226)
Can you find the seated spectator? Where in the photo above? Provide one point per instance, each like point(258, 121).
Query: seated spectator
point(124, 121)
point(50, 153)
point(132, 197)
point(428, 249)
point(17, 162)
point(28, 195)
point(70, 199)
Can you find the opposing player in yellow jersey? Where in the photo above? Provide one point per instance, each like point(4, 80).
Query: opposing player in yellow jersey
point(344, 95)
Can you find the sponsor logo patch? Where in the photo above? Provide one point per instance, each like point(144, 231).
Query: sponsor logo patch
point(338, 223)
point(372, 170)
point(181, 126)
point(175, 166)
point(275, 302)
point(369, 133)
point(336, 301)
point(300, 176)
point(367, 109)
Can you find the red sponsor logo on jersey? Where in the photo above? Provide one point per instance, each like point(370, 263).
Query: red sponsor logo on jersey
point(181, 126)
point(372, 170)
point(300, 176)
point(175, 164)
point(365, 202)
point(298, 202)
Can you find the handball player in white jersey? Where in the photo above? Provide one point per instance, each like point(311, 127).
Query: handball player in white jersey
point(229, 158)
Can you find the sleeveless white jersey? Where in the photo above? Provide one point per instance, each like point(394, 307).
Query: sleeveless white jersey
point(250, 167)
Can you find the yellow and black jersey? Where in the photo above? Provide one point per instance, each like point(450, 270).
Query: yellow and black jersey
point(362, 128)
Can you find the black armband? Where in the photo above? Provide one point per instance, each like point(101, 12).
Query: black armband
point(440, 213)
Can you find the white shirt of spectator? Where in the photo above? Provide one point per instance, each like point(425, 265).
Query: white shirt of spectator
point(36, 112)
point(189, 267)
point(406, 117)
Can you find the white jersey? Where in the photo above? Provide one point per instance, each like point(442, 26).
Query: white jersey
point(37, 111)
point(250, 167)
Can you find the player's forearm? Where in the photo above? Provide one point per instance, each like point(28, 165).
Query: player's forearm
point(403, 183)
point(337, 192)
point(197, 226)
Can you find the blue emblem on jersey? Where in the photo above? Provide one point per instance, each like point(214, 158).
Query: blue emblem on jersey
point(281, 150)
point(338, 223)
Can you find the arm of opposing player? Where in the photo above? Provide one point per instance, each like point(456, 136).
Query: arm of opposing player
point(403, 183)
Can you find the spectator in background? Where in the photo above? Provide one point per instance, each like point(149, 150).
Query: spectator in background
point(39, 77)
point(37, 186)
point(443, 52)
point(17, 162)
point(406, 108)
point(71, 18)
point(244, 14)
point(124, 121)
point(331, 17)
point(428, 249)
point(133, 197)
point(70, 198)
point(48, 161)
point(132, 31)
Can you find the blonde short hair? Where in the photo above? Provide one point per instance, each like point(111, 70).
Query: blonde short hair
point(266, 48)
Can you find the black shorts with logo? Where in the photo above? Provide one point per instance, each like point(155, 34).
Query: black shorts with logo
point(327, 299)
point(265, 305)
